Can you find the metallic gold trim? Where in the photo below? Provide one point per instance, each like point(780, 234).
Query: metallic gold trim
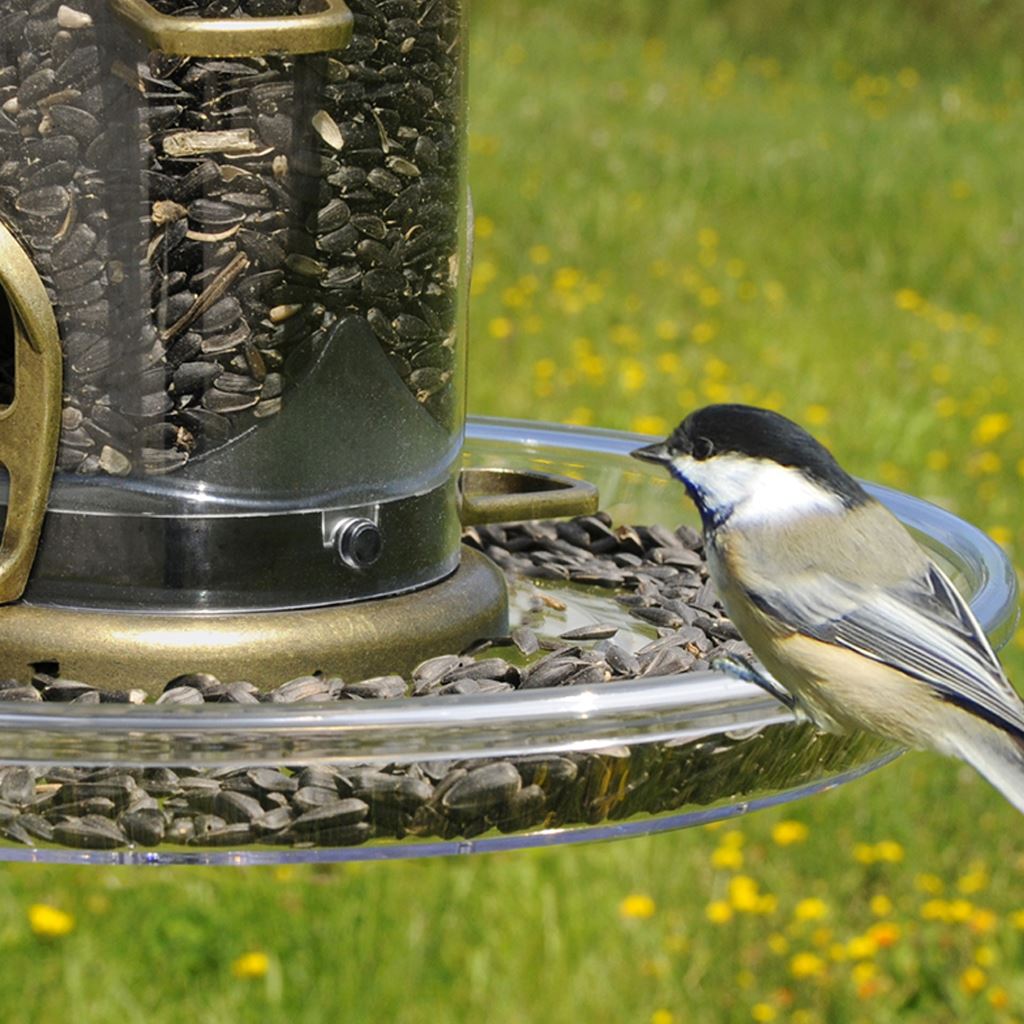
point(122, 650)
point(30, 425)
point(509, 495)
point(326, 30)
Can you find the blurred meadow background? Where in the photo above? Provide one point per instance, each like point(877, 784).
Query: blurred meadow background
point(812, 206)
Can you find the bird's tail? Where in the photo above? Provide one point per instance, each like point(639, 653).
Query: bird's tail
point(997, 754)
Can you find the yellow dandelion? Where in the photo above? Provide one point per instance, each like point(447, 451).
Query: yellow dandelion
point(984, 464)
point(864, 853)
point(861, 947)
point(788, 832)
point(991, 427)
point(1017, 919)
point(1002, 535)
point(734, 838)
point(727, 858)
point(984, 956)
point(500, 328)
point(663, 1017)
point(960, 910)
point(806, 965)
point(864, 972)
point(908, 299)
point(668, 363)
point(637, 906)
point(254, 964)
point(703, 332)
point(889, 850)
point(973, 980)
point(744, 895)
point(718, 912)
point(566, 279)
point(881, 905)
point(972, 881)
point(982, 921)
point(810, 909)
point(539, 255)
point(816, 415)
point(885, 934)
point(49, 922)
point(946, 407)
point(707, 238)
point(649, 425)
point(937, 460)
point(908, 78)
point(581, 416)
point(632, 374)
point(483, 226)
point(767, 903)
point(667, 330)
point(938, 910)
point(778, 943)
point(763, 1013)
point(998, 998)
point(928, 883)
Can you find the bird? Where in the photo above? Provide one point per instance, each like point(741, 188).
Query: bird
point(855, 627)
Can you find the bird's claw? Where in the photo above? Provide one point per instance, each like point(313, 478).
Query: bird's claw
point(742, 668)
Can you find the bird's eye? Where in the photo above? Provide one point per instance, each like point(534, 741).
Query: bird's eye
point(702, 449)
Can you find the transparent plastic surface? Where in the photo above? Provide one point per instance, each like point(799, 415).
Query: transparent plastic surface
point(257, 262)
point(424, 776)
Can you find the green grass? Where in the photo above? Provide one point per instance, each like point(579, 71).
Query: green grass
point(810, 205)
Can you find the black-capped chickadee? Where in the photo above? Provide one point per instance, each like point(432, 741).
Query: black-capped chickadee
point(855, 625)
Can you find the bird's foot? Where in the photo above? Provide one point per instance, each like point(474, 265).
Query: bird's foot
point(742, 668)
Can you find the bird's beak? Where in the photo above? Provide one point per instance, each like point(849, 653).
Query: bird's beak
point(658, 453)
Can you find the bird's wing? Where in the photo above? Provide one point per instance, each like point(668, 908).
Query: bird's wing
point(922, 628)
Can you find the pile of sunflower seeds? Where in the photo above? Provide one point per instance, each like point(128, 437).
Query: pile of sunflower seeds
point(196, 270)
point(654, 574)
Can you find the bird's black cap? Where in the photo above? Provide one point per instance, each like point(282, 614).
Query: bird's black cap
point(757, 434)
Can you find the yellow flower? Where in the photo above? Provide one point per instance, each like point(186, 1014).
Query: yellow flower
point(806, 965)
point(864, 972)
point(566, 279)
point(703, 332)
point(668, 363)
point(884, 933)
point(1017, 919)
point(743, 893)
point(483, 227)
point(991, 427)
point(663, 1017)
point(998, 998)
point(581, 416)
point(929, 883)
point(973, 980)
point(727, 858)
point(667, 330)
point(810, 909)
point(49, 922)
point(649, 425)
point(539, 254)
point(973, 881)
point(778, 943)
point(984, 956)
point(632, 374)
point(937, 460)
point(889, 850)
point(908, 78)
point(908, 299)
point(500, 328)
point(861, 947)
point(763, 1013)
point(718, 912)
point(788, 832)
point(709, 296)
point(1002, 535)
point(881, 905)
point(864, 853)
point(251, 965)
point(707, 238)
point(982, 921)
point(816, 415)
point(637, 906)
point(946, 406)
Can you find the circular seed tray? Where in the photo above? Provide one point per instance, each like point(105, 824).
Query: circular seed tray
point(425, 776)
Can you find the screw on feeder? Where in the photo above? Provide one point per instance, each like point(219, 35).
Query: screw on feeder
point(358, 542)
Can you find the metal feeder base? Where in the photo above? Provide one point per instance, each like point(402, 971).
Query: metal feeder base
point(126, 650)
